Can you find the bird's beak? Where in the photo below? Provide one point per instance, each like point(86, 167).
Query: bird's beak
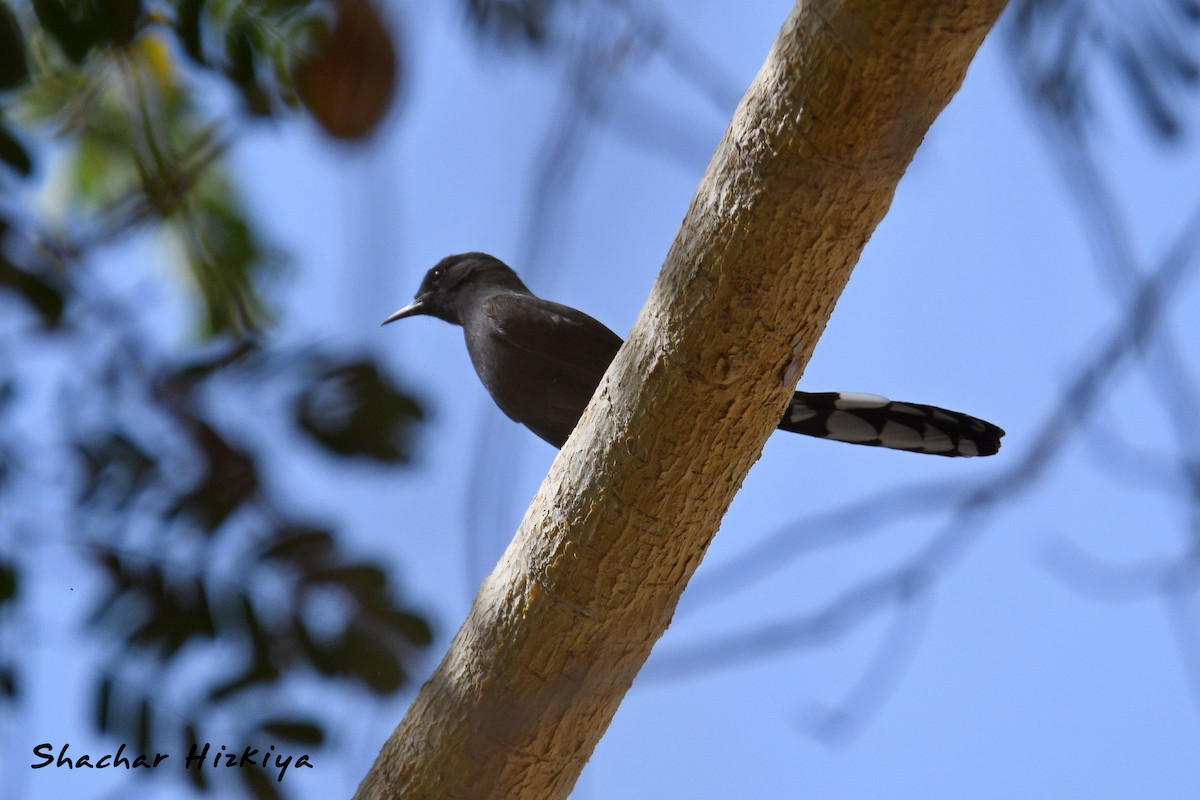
point(416, 307)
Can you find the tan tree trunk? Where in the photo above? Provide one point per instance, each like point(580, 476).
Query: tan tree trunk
point(561, 627)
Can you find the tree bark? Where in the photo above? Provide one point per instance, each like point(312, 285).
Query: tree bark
point(561, 627)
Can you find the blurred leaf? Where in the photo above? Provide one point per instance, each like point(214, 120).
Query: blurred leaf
point(294, 730)
point(325, 659)
point(74, 37)
point(104, 609)
point(101, 169)
point(259, 784)
point(366, 582)
point(116, 469)
point(225, 256)
point(349, 81)
point(117, 20)
point(189, 30)
point(353, 410)
point(13, 153)
point(13, 69)
point(8, 581)
point(145, 720)
point(111, 564)
point(259, 672)
point(412, 627)
point(305, 546)
point(512, 23)
point(371, 660)
point(199, 612)
point(261, 669)
point(141, 153)
point(241, 68)
point(242, 48)
point(177, 611)
point(191, 743)
point(104, 704)
point(188, 375)
point(230, 479)
point(239, 54)
point(46, 300)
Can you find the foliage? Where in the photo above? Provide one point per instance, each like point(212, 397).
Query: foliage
point(218, 598)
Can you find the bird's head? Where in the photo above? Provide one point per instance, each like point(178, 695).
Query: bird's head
point(456, 281)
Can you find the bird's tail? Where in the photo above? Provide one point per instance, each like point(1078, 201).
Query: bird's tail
point(873, 420)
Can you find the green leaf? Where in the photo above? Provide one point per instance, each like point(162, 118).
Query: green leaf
point(225, 256)
point(101, 170)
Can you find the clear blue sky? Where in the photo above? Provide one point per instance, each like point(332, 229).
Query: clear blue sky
point(977, 293)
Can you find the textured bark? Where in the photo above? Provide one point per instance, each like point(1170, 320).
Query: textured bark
point(561, 627)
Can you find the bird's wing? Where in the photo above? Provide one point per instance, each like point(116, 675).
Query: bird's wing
point(551, 332)
point(545, 361)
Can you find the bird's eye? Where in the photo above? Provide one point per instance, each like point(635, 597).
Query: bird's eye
point(436, 274)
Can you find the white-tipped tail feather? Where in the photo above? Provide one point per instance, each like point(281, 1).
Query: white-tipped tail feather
point(873, 420)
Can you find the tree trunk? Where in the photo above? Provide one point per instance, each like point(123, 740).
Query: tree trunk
point(561, 627)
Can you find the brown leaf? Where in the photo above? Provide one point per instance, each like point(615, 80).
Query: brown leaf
point(349, 81)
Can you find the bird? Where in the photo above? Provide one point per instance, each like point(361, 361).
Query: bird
point(541, 362)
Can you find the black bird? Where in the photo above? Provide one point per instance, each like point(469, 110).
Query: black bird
point(542, 361)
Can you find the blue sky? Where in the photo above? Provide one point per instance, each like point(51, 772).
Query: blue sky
point(977, 292)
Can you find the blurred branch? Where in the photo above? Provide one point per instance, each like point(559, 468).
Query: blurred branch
point(1062, 48)
point(843, 721)
point(971, 511)
point(1155, 54)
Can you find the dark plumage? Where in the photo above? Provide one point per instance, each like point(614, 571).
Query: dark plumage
point(542, 361)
